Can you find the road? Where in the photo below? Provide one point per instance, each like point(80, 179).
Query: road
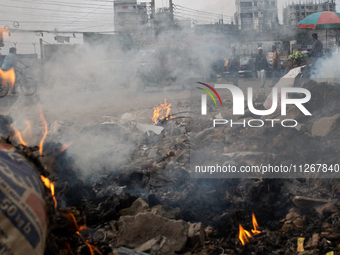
point(77, 107)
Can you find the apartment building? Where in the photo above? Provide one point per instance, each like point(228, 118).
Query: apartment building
point(129, 16)
point(294, 13)
point(259, 15)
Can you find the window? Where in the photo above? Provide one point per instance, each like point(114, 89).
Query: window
point(269, 15)
point(256, 14)
point(273, 4)
point(302, 7)
point(255, 3)
point(246, 15)
point(316, 7)
point(246, 4)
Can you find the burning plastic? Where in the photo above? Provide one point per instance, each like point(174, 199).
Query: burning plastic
point(161, 112)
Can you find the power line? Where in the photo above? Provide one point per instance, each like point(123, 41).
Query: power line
point(199, 15)
point(195, 16)
point(208, 13)
point(61, 32)
point(86, 15)
point(194, 19)
point(54, 22)
point(43, 9)
point(42, 15)
point(77, 5)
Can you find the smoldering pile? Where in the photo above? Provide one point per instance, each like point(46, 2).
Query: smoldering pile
point(149, 204)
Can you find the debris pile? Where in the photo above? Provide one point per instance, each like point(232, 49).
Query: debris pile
point(149, 204)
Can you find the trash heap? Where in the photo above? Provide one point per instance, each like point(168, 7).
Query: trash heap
point(150, 205)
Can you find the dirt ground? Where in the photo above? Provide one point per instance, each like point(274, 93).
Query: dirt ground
point(77, 106)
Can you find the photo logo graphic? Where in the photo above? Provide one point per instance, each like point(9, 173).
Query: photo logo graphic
point(239, 103)
point(204, 97)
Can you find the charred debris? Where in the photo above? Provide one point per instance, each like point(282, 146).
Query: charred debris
point(148, 204)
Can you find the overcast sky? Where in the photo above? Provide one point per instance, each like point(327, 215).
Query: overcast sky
point(93, 15)
point(89, 15)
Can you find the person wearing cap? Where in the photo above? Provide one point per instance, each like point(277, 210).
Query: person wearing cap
point(276, 66)
point(260, 66)
point(317, 46)
point(234, 66)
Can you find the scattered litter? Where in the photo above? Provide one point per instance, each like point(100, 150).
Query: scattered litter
point(146, 128)
point(219, 116)
point(300, 244)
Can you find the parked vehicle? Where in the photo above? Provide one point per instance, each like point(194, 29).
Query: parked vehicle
point(247, 68)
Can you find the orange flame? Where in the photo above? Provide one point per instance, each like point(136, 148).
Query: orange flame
point(71, 217)
point(92, 248)
point(163, 109)
point(68, 248)
point(18, 134)
point(50, 186)
point(45, 134)
point(28, 129)
point(7, 77)
point(256, 226)
point(63, 148)
point(243, 234)
point(52, 192)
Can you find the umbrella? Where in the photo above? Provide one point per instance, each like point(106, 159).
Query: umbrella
point(321, 20)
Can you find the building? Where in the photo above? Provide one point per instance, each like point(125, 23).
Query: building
point(129, 17)
point(294, 13)
point(258, 15)
point(163, 17)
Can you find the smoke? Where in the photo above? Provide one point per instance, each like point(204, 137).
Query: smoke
point(327, 68)
point(84, 83)
point(102, 148)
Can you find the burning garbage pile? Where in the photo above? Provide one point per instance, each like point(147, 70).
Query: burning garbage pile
point(148, 204)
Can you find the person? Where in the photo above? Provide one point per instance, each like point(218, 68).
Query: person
point(260, 66)
point(11, 61)
point(234, 66)
point(317, 46)
point(276, 66)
